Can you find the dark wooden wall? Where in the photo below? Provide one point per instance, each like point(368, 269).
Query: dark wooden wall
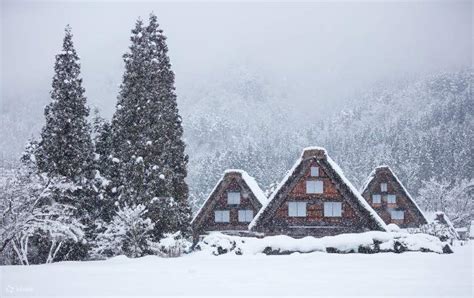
point(247, 202)
point(412, 217)
point(315, 223)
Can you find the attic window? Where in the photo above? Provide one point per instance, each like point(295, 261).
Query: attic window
point(313, 186)
point(398, 215)
point(297, 209)
point(221, 216)
point(391, 199)
point(245, 215)
point(314, 171)
point(233, 198)
point(376, 199)
point(383, 186)
point(332, 209)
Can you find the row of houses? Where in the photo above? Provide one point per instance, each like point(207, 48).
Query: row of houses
point(313, 199)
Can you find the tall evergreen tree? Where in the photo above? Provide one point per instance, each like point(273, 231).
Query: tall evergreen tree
point(147, 134)
point(65, 147)
point(65, 150)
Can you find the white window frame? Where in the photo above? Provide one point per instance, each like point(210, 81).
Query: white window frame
point(314, 171)
point(397, 214)
point(379, 201)
point(233, 197)
point(389, 201)
point(297, 209)
point(333, 209)
point(245, 215)
point(383, 187)
point(221, 216)
point(314, 186)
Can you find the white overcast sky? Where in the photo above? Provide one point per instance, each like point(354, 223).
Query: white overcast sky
point(327, 48)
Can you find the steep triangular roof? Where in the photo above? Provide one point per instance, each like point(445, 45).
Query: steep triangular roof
point(387, 169)
point(248, 181)
point(337, 175)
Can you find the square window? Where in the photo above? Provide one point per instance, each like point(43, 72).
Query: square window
point(233, 198)
point(383, 187)
point(314, 171)
point(391, 199)
point(332, 209)
point(376, 199)
point(221, 216)
point(245, 215)
point(314, 186)
point(297, 209)
point(397, 214)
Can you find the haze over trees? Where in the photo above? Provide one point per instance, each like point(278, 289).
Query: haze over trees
point(92, 175)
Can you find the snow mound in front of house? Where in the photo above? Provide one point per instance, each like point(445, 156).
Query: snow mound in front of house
point(369, 242)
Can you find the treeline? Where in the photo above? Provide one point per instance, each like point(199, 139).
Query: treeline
point(93, 190)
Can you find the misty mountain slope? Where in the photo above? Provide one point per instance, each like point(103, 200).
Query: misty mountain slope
point(420, 128)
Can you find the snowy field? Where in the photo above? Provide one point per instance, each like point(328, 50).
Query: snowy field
point(406, 274)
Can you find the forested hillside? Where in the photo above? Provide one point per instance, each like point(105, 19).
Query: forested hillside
point(421, 128)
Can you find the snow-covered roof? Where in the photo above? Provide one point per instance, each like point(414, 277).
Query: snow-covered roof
point(249, 180)
point(385, 167)
point(339, 172)
point(310, 148)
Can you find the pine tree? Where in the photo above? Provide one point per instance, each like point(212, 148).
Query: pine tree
point(149, 159)
point(103, 206)
point(66, 148)
point(171, 131)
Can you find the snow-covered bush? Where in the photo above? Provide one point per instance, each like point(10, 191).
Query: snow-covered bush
point(172, 245)
point(393, 228)
point(368, 242)
point(129, 233)
point(29, 212)
point(440, 227)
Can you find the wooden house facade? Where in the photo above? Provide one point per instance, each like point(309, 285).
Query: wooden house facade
point(315, 199)
point(231, 205)
point(390, 199)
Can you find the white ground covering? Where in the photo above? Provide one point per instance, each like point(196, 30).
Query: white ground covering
point(406, 274)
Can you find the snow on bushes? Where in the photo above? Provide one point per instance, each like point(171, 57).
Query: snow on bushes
point(369, 242)
point(172, 245)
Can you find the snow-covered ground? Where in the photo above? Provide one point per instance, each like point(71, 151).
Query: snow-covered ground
point(406, 274)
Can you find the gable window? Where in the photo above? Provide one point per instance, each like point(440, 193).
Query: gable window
point(391, 199)
point(233, 198)
point(383, 186)
point(376, 199)
point(297, 209)
point(245, 215)
point(396, 214)
point(313, 186)
point(221, 216)
point(332, 209)
point(314, 171)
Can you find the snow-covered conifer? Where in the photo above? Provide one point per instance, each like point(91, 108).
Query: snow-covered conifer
point(148, 150)
point(65, 147)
